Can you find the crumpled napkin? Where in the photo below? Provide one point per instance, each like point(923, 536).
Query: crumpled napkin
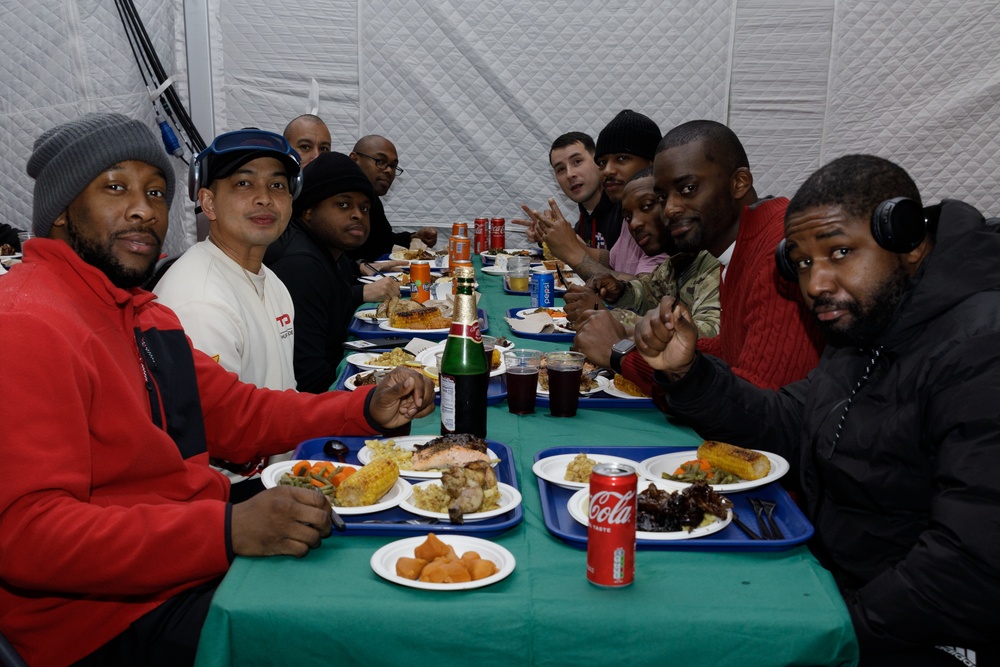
point(533, 323)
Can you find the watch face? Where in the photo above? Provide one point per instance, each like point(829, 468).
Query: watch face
point(623, 346)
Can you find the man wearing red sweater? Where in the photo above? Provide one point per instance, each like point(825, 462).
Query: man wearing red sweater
point(114, 530)
point(702, 177)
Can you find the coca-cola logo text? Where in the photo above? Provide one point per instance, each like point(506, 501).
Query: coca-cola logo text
point(611, 508)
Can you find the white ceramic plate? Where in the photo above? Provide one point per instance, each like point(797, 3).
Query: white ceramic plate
point(426, 357)
point(553, 468)
point(611, 390)
point(369, 315)
point(579, 503)
point(652, 468)
point(558, 319)
point(408, 442)
point(384, 561)
point(509, 499)
point(492, 270)
point(602, 383)
point(401, 489)
point(362, 359)
point(349, 384)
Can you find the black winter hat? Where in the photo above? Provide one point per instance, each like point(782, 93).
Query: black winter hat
point(331, 174)
point(631, 133)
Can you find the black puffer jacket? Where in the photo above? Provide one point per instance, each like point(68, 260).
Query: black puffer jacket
point(907, 505)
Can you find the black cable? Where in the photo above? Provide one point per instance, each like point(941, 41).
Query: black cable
point(148, 62)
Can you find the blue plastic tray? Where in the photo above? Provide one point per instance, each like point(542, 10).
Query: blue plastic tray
point(313, 450)
point(496, 392)
point(363, 329)
point(789, 517)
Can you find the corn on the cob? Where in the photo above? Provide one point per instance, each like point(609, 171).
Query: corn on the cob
point(745, 463)
point(368, 484)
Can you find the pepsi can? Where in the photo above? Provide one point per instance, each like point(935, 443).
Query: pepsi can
point(542, 290)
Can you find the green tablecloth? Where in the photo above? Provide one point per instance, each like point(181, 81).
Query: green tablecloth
point(685, 607)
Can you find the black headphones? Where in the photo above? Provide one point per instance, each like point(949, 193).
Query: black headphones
point(249, 140)
point(899, 225)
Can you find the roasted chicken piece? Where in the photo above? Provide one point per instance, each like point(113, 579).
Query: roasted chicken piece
point(470, 486)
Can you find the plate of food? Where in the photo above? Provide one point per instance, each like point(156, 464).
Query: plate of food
point(432, 499)
point(572, 471)
point(405, 562)
point(588, 385)
point(432, 453)
point(619, 387)
point(414, 255)
point(669, 527)
point(716, 460)
point(400, 277)
point(374, 360)
point(290, 473)
point(370, 315)
point(362, 379)
point(556, 314)
point(490, 256)
point(497, 365)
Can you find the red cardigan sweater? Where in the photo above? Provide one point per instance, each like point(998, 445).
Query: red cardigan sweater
point(765, 335)
point(108, 506)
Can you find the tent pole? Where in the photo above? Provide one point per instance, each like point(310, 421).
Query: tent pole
point(198, 51)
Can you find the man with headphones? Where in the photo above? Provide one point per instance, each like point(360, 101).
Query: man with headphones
point(234, 308)
point(894, 438)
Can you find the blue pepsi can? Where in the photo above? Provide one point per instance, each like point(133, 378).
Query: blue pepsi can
point(543, 290)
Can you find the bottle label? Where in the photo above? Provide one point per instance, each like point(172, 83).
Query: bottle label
point(447, 401)
point(461, 330)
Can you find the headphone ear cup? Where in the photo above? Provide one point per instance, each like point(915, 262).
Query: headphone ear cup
point(898, 224)
point(784, 263)
point(194, 174)
point(296, 185)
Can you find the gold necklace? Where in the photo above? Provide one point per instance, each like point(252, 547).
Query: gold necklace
point(261, 293)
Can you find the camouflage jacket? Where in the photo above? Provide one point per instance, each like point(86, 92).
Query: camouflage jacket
point(698, 287)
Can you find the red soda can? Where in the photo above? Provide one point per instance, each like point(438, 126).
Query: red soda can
point(459, 229)
point(498, 239)
point(420, 281)
point(611, 529)
point(482, 236)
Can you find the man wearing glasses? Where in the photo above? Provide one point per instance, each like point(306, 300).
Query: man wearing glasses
point(377, 157)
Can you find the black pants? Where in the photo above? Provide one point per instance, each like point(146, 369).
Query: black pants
point(983, 656)
point(165, 637)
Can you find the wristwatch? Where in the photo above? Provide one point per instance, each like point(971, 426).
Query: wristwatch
point(618, 352)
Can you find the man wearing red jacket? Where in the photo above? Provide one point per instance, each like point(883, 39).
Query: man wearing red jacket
point(114, 531)
point(703, 178)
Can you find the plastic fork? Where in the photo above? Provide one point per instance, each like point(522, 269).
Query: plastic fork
point(758, 509)
point(769, 506)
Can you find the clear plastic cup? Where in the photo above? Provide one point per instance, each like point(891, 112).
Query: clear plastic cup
point(518, 273)
point(522, 379)
point(564, 370)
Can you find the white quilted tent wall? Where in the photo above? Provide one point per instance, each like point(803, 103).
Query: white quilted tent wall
point(472, 93)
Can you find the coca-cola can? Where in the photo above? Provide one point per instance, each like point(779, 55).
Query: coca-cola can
point(482, 238)
point(498, 237)
point(611, 529)
point(459, 229)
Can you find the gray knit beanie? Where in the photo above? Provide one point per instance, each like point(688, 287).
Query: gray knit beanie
point(629, 132)
point(68, 157)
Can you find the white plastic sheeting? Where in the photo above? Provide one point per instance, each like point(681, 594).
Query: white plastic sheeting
point(472, 93)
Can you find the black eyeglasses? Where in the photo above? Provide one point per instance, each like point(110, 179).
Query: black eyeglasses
point(382, 164)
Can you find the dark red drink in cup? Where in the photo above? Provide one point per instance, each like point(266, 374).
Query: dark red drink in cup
point(522, 385)
point(522, 379)
point(564, 370)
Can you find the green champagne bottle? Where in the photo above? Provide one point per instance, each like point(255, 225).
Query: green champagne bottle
point(464, 373)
